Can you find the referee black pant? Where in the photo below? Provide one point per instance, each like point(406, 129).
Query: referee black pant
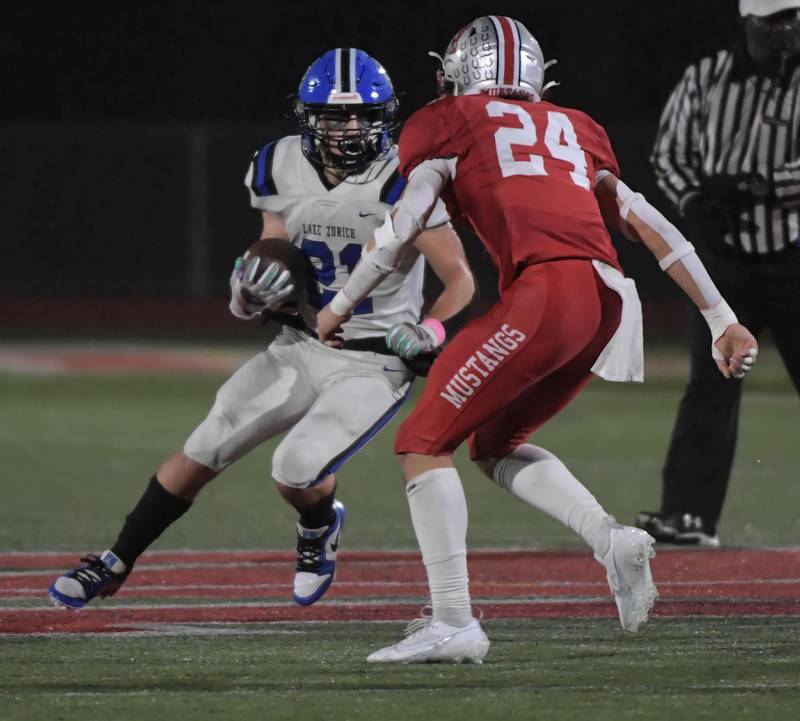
point(764, 292)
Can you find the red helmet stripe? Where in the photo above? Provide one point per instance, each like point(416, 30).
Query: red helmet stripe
point(510, 51)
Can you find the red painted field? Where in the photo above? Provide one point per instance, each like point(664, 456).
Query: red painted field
point(170, 588)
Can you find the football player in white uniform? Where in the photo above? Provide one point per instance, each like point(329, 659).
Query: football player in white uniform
point(326, 191)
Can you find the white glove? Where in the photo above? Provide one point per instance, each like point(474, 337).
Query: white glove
point(408, 340)
point(251, 296)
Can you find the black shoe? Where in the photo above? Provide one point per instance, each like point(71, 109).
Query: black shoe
point(680, 528)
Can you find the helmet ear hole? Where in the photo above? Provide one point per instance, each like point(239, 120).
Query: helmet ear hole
point(297, 108)
point(390, 109)
point(440, 89)
point(443, 85)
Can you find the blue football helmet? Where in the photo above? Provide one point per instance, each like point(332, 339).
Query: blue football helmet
point(346, 109)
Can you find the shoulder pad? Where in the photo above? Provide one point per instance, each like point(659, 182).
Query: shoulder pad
point(262, 181)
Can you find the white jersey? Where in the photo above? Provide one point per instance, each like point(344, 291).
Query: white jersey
point(333, 225)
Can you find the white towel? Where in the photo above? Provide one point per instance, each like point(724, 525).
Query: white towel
point(622, 359)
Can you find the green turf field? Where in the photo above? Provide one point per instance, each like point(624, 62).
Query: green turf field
point(68, 442)
point(559, 669)
point(76, 452)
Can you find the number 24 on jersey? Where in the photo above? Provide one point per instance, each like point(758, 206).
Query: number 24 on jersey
point(559, 139)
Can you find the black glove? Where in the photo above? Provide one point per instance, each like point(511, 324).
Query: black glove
point(717, 208)
point(725, 192)
point(730, 192)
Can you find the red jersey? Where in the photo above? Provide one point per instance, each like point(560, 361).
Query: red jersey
point(524, 176)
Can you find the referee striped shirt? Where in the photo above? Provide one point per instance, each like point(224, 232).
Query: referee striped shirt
point(723, 119)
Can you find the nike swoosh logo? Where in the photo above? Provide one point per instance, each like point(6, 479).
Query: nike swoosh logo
point(335, 543)
point(394, 370)
point(364, 213)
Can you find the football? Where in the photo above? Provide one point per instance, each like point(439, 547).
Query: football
point(289, 257)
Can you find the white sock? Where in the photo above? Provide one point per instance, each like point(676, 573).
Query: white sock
point(117, 564)
point(439, 514)
point(542, 480)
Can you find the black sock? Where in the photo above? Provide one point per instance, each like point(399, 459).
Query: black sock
point(318, 514)
point(156, 510)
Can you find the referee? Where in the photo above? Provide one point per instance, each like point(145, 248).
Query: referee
point(727, 155)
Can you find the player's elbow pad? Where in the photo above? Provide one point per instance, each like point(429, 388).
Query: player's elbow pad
point(382, 261)
point(388, 247)
point(425, 183)
point(375, 265)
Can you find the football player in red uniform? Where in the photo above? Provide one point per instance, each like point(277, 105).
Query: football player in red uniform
point(538, 183)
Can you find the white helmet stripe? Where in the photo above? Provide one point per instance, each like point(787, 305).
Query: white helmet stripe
point(501, 52)
point(517, 50)
point(338, 71)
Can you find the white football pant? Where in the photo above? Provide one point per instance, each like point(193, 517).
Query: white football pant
point(331, 401)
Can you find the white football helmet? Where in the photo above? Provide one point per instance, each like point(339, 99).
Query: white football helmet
point(496, 55)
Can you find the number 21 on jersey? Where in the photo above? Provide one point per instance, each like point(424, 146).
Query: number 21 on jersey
point(324, 266)
point(559, 138)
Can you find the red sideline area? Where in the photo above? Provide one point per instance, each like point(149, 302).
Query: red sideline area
point(197, 314)
point(117, 314)
point(190, 587)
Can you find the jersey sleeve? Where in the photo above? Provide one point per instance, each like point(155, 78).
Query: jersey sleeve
point(424, 136)
point(262, 182)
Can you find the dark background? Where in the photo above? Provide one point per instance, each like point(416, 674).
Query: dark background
point(126, 128)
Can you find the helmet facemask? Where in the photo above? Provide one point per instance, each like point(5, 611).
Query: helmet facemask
point(346, 137)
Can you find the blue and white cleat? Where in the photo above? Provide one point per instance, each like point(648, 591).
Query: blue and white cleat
point(99, 576)
point(316, 558)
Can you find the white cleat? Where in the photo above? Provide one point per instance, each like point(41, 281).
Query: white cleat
point(429, 641)
point(627, 565)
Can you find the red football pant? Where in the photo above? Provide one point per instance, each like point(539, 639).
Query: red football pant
point(513, 368)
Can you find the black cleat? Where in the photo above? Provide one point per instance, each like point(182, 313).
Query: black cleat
point(680, 528)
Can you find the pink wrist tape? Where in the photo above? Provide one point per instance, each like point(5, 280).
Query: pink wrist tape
point(437, 328)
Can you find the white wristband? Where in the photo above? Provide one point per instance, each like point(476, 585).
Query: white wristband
point(340, 304)
point(719, 318)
